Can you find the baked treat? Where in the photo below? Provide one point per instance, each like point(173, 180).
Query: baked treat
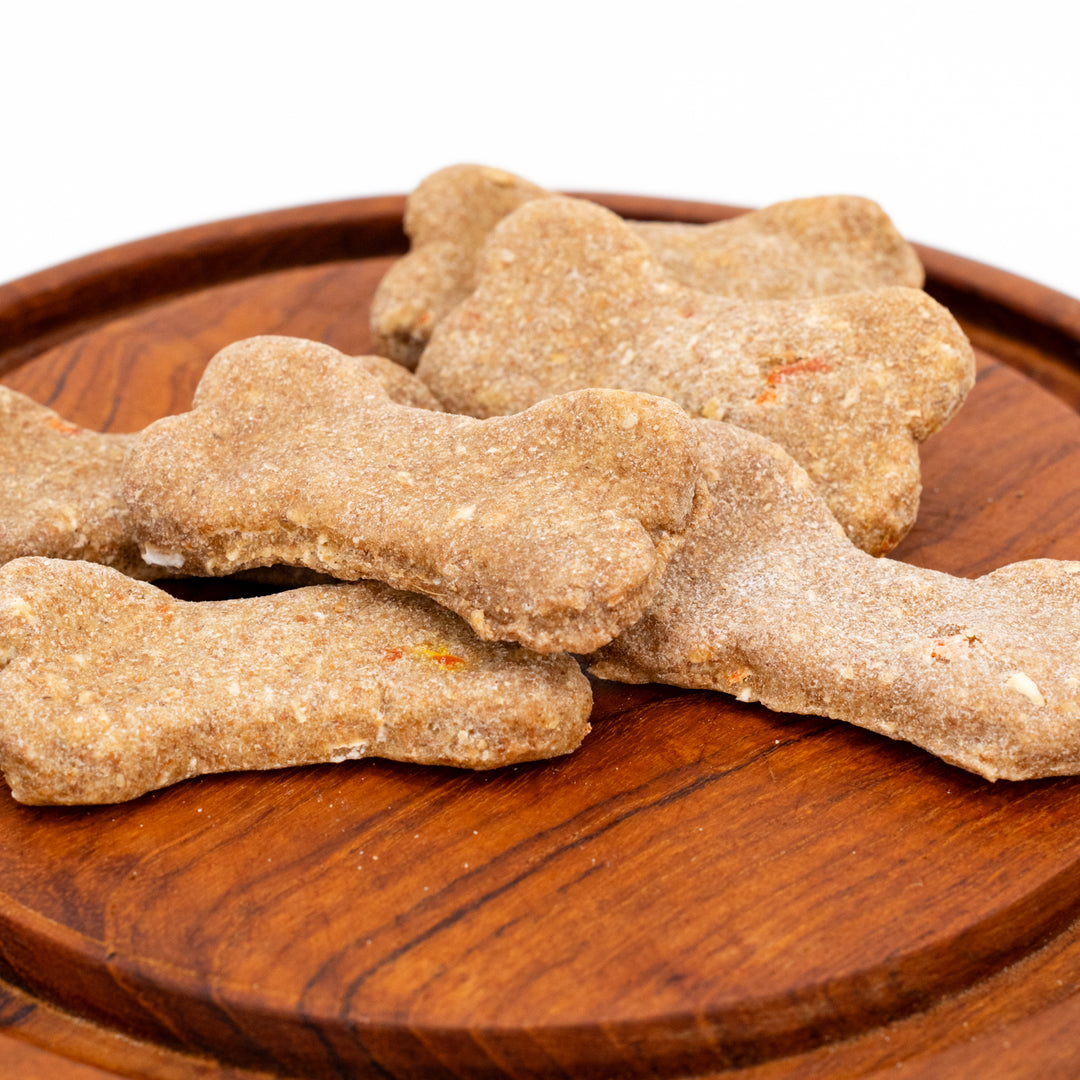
point(110, 688)
point(551, 528)
point(568, 297)
point(769, 601)
point(804, 247)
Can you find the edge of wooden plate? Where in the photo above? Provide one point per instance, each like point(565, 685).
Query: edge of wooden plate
point(1028, 325)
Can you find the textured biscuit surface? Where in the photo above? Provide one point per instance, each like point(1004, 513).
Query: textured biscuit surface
point(400, 384)
point(805, 247)
point(60, 489)
point(569, 297)
point(767, 600)
point(800, 248)
point(551, 528)
point(110, 688)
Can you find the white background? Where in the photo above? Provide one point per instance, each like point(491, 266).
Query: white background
point(120, 120)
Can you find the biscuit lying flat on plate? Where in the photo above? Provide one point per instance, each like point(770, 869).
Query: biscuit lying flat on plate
point(805, 247)
point(551, 528)
point(110, 688)
point(769, 601)
point(569, 297)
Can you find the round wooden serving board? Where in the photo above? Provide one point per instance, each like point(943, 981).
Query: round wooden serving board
point(704, 887)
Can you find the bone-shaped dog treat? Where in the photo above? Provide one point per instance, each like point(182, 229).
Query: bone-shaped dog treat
point(551, 528)
point(569, 297)
point(767, 600)
point(110, 688)
point(805, 247)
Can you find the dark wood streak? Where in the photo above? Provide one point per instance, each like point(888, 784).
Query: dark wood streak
point(13, 1013)
point(608, 824)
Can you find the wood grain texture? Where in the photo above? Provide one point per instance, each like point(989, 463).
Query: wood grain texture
point(704, 887)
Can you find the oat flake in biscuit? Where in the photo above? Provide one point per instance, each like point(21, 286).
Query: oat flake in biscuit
point(804, 247)
point(769, 601)
point(110, 688)
point(849, 385)
point(551, 528)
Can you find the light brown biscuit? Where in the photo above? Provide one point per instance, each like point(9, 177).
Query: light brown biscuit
point(769, 601)
point(848, 384)
point(551, 528)
point(110, 688)
point(804, 247)
point(60, 484)
point(60, 489)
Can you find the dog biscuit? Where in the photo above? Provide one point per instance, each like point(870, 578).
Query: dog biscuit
point(110, 688)
point(848, 384)
point(804, 247)
point(551, 528)
point(769, 601)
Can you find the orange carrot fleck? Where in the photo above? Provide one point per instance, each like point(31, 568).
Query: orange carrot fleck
point(62, 426)
point(440, 655)
point(812, 365)
point(452, 662)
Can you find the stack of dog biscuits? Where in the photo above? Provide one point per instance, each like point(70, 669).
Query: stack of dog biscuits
point(801, 248)
point(677, 451)
point(849, 384)
point(549, 531)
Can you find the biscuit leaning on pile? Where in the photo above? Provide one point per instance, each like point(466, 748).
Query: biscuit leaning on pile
point(60, 489)
point(769, 601)
point(805, 247)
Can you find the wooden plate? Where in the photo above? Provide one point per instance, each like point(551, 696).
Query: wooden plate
point(704, 886)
